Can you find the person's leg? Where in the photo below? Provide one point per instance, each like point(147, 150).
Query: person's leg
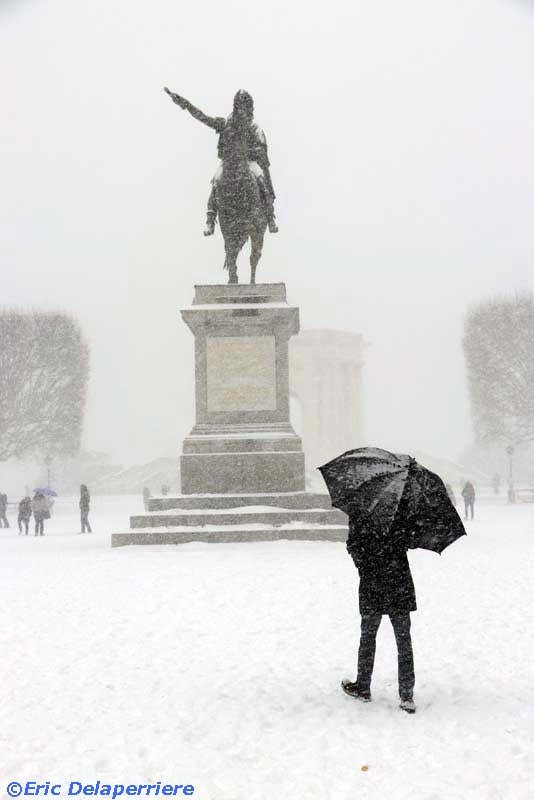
point(401, 627)
point(82, 521)
point(19, 520)
point(267, 200)
point(212, 210)
point(26, 525)
point(36, 518)
point(466, 506)
point(366, 651)
point(89, 529)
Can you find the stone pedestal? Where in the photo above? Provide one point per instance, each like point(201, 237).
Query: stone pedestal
point(242, 440)
point(242, 465)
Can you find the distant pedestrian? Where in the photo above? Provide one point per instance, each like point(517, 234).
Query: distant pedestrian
point(85, 501)
point(25, 512)
point(450, 493)
point(3, 511)
point(468, 493)
point(165, 490)
point(40, 512)
point(496, 483)
point(146, 495)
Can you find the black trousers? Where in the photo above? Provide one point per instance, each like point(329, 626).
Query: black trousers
point(84, 515)
point(469, 504)
point(23, 521)
point(366, 654)
point(39, 523)
point(4, 520)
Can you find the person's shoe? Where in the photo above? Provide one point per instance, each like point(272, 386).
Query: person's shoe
point(273, 227)
point(408, 705)
point(352, 689)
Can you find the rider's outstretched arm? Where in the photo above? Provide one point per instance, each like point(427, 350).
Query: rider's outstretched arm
point(217, 123)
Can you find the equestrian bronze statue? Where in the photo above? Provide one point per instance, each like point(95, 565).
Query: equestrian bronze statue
point(242, 193)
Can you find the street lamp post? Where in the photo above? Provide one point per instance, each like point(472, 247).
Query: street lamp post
point(48, 461)
point(511, 490)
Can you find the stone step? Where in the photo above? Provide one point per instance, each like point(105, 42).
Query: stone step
point(214, 501)
point(238, 516)
point(229, 533)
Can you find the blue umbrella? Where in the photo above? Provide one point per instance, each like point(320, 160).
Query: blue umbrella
point(49, 492)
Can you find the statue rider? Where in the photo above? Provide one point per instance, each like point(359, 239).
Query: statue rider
point(256, 147)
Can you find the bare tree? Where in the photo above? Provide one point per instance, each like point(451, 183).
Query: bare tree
point(499, 351)
point(44, 369)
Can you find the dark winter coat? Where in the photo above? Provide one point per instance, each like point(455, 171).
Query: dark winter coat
point(40, 505)
point(25, 508)
point(85, 500)
point(468, 492)
point(386, 584)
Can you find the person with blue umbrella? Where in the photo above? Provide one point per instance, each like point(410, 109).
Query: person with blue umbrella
point(393, 504)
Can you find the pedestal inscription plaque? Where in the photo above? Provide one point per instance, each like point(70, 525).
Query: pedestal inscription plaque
point(241, 373)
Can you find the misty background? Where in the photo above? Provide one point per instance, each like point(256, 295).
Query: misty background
point(400, 138)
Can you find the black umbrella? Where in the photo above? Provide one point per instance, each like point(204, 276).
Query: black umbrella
point(393, 492)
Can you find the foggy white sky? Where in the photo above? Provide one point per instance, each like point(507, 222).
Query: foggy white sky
point(401, 139)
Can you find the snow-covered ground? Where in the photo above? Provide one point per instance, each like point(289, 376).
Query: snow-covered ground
point(219, 665)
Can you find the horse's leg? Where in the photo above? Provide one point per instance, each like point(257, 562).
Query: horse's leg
point(236, 245)
point(256, 240)
point(231, 257)
point(231, 263)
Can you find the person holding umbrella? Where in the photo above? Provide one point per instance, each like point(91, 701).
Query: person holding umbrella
point(386, 588)
point(393, 505)
point(40, 512)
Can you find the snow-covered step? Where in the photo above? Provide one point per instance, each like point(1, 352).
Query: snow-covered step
point(209, 501)
point(242, 516)
point(214, 534)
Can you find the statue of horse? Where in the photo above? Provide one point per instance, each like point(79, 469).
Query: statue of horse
point(242, 189)
point(241, 210)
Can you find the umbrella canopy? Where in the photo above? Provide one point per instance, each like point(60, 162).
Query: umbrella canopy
point(394, 493)
point(49, 492)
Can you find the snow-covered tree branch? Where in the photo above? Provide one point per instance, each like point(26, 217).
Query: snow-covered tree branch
point(44, 369)
point(499, 351)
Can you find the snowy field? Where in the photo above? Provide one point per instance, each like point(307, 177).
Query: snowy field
point(219, 665)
